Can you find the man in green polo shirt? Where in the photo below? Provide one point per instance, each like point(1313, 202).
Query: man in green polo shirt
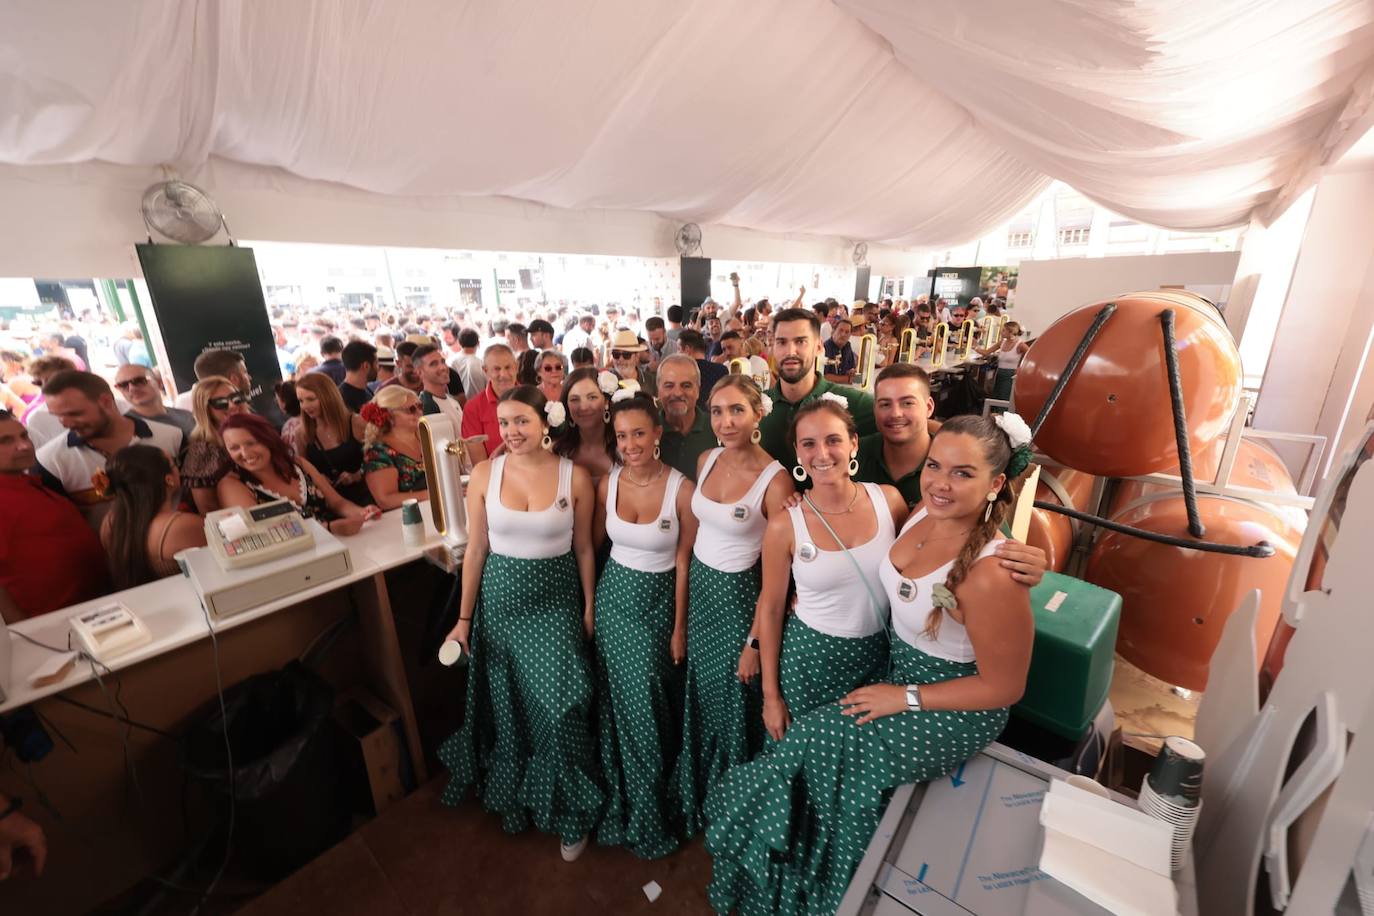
point(686, 429)
point(902, 408)
point(796, 342)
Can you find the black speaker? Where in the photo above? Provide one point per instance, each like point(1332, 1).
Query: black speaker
point(861, 280)
point(696, 282)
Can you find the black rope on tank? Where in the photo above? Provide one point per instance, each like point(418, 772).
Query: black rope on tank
point(1071, 368)
point(1258, 551)
point(1185, 454)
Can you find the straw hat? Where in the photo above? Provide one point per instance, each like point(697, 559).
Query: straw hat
point(627, 342)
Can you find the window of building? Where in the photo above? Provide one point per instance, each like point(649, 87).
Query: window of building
point(1073, 236)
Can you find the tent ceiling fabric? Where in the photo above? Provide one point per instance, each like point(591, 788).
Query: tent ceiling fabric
point(884, 120)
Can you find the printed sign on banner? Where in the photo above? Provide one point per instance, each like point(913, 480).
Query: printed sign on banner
point(209, 297)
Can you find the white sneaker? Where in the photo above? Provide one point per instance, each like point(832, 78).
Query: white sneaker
point(571, 852)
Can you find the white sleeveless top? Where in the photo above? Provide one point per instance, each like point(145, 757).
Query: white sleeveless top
point(1009, 359)
point(911, 605)
point(832, 596)
point(530, 535)
point(730, 535)
point(651, 546)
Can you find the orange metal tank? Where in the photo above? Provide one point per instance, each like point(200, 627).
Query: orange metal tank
point(1256, 467)
point(1176, 600)
point(1050, 531)
point(1113, 419)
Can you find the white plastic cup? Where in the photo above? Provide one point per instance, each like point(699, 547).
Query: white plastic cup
point(450, 653)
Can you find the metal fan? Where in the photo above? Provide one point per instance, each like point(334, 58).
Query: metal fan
point(182, 212)
point(860, 254)
point(688, 239)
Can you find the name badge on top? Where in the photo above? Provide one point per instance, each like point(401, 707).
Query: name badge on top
point(562, 504)
point(740, 514)
point(906, 590)
point(665, 524)
point(806, 552)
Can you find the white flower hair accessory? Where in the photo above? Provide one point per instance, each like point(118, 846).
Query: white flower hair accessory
point(556, 413)
point(767, 404)
point(832, 396)
point(1018, 433)
point(607, 382)
point(623, 394)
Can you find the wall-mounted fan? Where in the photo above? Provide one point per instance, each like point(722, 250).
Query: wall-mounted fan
point(688, 240)
point(860, 254)
point(182, 212)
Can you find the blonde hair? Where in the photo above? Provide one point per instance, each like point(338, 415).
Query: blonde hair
point(388, 398)
point(746, 386)
point(334, 412)
point(205, 429)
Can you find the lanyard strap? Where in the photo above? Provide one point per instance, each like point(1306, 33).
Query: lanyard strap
point(873, 599)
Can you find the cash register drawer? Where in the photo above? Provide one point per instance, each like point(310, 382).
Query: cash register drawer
point(255, 591)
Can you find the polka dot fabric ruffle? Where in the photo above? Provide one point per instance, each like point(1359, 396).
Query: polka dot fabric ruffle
point(526, 744)
point(788, 828)
point(816, 668)
point(639, 703)
point(722, 718)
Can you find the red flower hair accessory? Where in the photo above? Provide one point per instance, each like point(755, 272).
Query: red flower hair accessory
point(377, 416)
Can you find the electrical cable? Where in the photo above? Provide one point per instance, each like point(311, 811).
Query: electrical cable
point(229, 762)
point(62, 698)
point(1185, 453)
point(1259, 551)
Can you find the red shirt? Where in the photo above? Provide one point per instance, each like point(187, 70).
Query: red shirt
point(50, 557)
point(479, 417)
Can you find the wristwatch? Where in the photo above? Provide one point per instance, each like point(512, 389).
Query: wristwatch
point(752, 642)
point(913, 697)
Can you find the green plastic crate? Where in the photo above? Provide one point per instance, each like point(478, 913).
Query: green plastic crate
point(1071, 665)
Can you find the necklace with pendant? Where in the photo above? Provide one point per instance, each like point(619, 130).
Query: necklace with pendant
point(920, 545)
point(628, 476)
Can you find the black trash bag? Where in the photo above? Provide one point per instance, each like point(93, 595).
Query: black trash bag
point(287, 782)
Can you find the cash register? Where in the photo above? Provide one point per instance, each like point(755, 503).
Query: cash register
point(259, 554)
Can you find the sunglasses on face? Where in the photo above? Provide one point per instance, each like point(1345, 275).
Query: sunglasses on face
point(223, 403)
point(413, 409)
point(621, 354)
point(139, 382)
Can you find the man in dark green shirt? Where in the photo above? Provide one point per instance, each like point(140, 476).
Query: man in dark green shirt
point(796, 342)
point(902, 409)
point(686, 428)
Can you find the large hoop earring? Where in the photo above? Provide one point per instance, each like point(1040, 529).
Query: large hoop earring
point(854, 464)
point(799, 474)
point(606, 416)
point(546, 443)
point(756, 436)
point(657, 452)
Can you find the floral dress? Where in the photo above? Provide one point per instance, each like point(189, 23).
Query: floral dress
point(410, 474)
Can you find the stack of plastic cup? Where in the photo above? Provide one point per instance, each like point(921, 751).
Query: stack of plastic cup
point(1172, 793)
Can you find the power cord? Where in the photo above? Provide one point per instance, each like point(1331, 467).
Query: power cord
point(229, 762)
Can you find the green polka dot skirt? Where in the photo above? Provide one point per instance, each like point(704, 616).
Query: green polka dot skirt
point(722, 718)
point(788, 828)
point(526, 741)
point(639, 703)
point(816, 668)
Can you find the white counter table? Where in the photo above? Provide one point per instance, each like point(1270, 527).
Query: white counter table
point(104, 835)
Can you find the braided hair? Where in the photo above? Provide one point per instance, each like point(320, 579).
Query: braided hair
point(998, 452)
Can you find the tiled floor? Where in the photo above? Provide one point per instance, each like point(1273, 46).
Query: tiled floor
point(422, 859)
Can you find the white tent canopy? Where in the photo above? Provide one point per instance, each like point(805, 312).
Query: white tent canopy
point(915, 124)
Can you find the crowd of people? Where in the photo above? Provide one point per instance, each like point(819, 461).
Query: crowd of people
point(691, 602)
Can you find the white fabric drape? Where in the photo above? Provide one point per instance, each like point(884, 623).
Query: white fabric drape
point(884, 120)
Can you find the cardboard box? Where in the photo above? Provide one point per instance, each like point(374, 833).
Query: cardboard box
point(374, 728)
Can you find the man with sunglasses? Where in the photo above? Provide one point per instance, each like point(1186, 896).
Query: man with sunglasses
point(140, 388)
point(625, 352)
point(85, 405)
